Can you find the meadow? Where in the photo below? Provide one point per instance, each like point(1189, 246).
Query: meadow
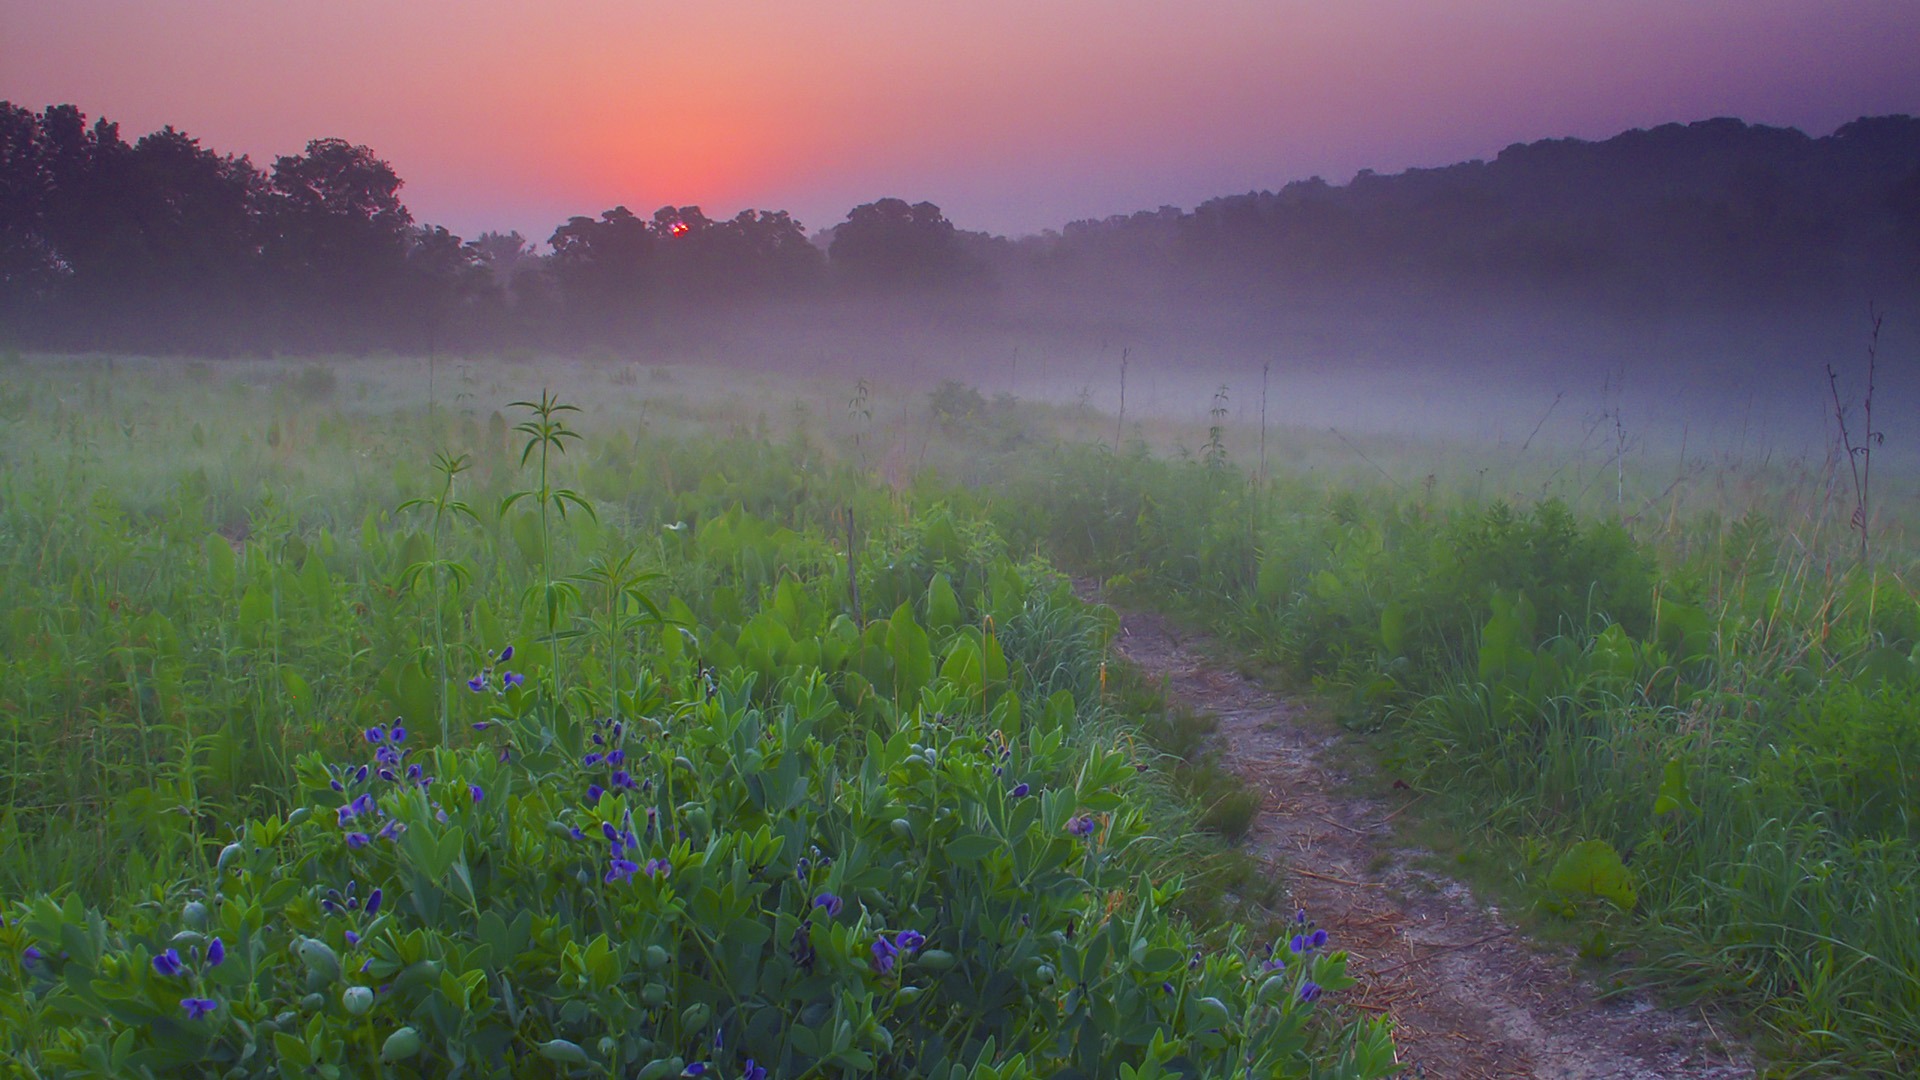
point(356, 713)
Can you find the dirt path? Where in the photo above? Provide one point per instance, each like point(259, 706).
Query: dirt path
point(1469, 996)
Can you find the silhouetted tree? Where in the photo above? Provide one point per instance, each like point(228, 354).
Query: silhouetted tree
point(338, 238)
point(601, 267)
point(29, 266)
point(891, 244)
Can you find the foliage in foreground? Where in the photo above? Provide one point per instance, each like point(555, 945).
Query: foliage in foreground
point(1710, 753)
point(718, 802)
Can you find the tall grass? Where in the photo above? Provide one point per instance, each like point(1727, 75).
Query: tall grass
point(1725, 695)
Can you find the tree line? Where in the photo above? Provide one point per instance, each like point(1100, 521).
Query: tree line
point(164, 245)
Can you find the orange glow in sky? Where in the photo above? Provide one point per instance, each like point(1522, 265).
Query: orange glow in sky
point(1013, 116)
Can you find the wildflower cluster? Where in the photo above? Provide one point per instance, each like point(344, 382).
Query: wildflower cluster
point(624, 840)
point(362, 810)
point(485, 680)
point(888, 951)
point(169, 964)
point(1307, 940)
point(608, 762)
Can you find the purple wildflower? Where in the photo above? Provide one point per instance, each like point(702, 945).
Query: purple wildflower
point(1309, 990)
point(198, 1008)
point(830, 902)
point(358, 840)
point(216, 953)
point(1020, 790)
point(373, 902)
point(506, 654)
point(659, 867)
point(1082, 825)
point(475, 791)
point(511, 679)
point(885, 953)
point(168, 963)
point(478, 683)
point(621, 869)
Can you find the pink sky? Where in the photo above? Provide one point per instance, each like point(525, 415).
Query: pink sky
point(1013, 115)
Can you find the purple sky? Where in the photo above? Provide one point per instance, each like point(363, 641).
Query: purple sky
point(1013, 116)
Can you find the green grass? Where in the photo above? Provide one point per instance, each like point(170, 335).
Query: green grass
point(206, 574)
point(225, 585)
point(1725, 696)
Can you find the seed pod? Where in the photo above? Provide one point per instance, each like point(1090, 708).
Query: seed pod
point(654, 994)
point(356, 1000)
point(694, 1017)
point(300, 814)
point(319, 958)
point(228, 855)
point(194, 915)
point(565, 1052)
point(902, 828)
point(657, 957)
point(400, 1045)
point(936, 959)
point(313, 1003)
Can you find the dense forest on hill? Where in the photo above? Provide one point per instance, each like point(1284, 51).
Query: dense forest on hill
point(163, 245)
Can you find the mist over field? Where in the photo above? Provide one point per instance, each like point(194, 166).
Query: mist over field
point(701, 642)
point(1692, 282)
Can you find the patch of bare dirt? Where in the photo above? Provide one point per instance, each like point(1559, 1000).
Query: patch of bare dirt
point(1470, 997)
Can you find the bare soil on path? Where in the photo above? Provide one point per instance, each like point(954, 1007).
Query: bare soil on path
point(1470, 997)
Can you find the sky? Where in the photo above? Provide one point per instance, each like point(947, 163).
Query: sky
point(1012, 115)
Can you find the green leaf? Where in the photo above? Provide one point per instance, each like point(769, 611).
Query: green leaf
point(971, 848)
point(912, 655)
point(1673, 789)
point(1593, 868)
point(943, 607)
point(220, 561)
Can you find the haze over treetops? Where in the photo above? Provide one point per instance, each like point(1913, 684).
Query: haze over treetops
point(1012, 117)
